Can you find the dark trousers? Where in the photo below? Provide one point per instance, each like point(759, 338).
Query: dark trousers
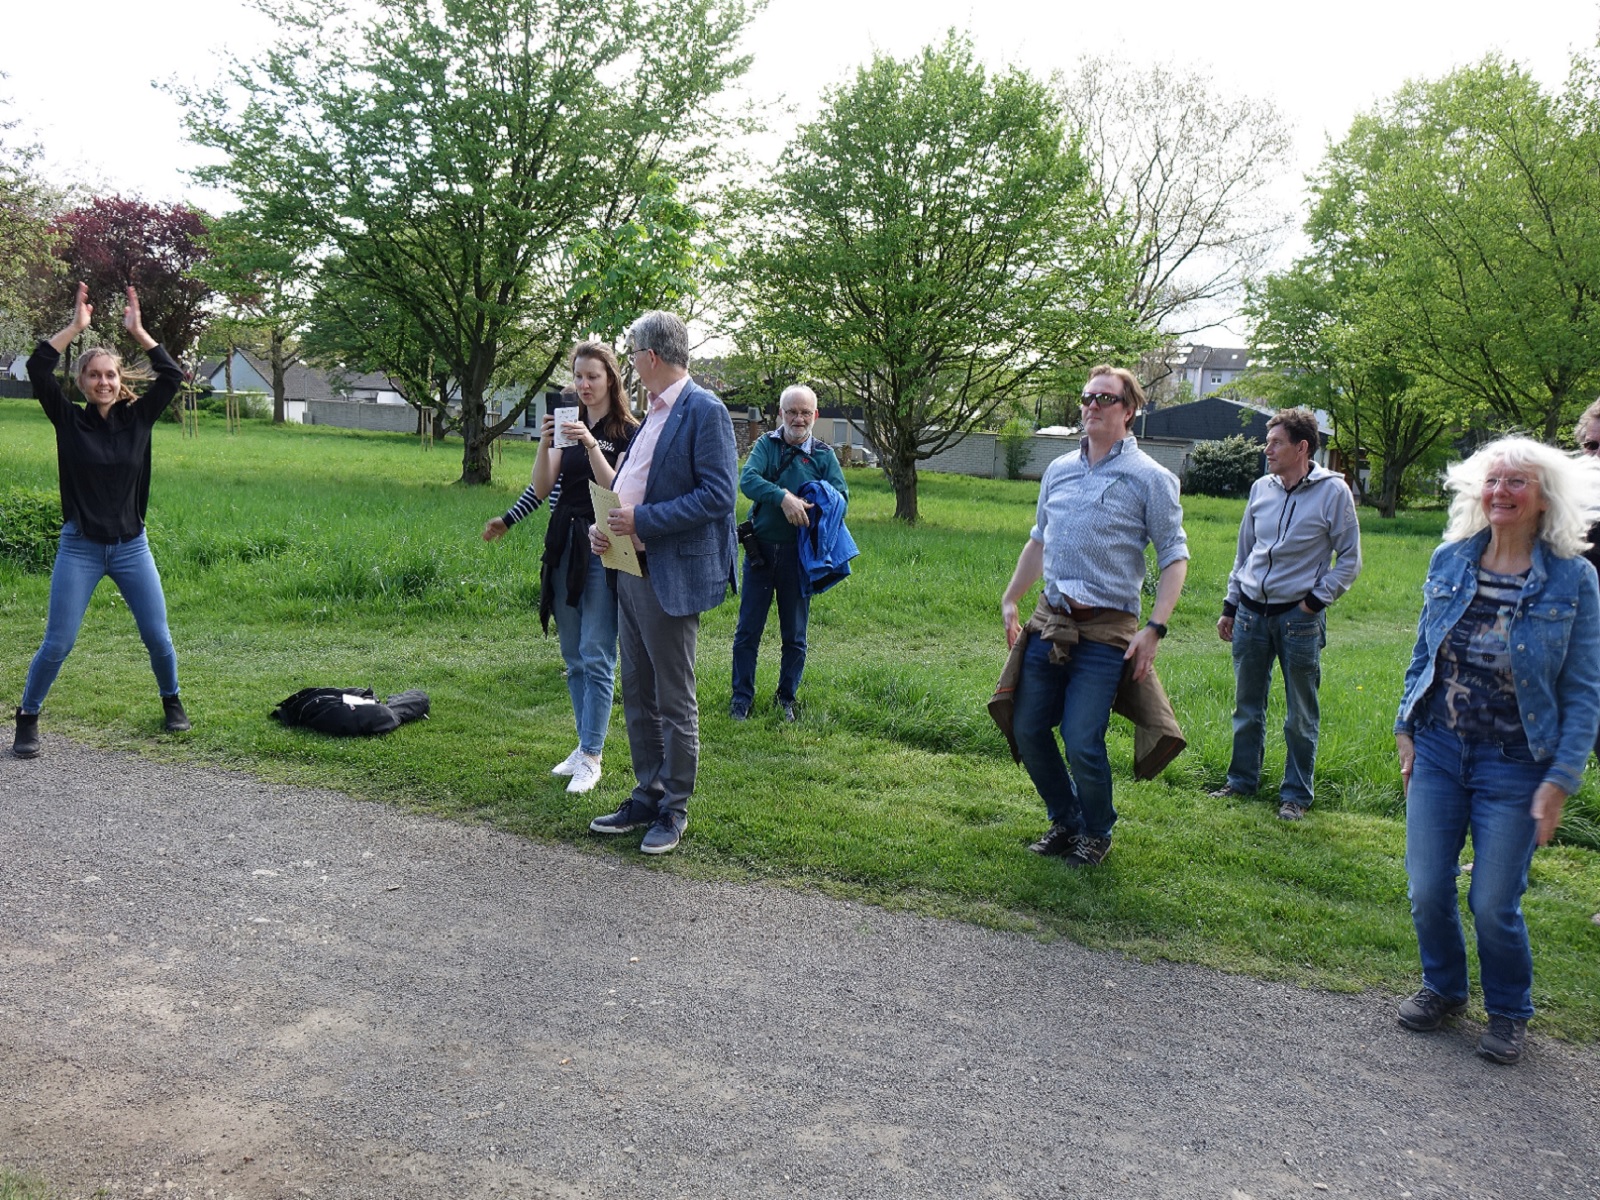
point(658, 698)
point(779, 579)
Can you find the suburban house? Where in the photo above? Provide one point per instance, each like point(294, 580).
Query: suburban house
point(303, 386)
point(1209, 369)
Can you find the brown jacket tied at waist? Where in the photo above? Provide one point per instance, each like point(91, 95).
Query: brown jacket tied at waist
point(1157, 739)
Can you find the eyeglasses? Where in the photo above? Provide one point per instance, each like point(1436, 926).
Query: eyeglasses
point(1100, 399)
point(1512, 483)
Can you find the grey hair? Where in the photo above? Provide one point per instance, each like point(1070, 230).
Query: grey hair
point(1590, 415)
point(1570, 486)
point(796, 389)
point(663, 332)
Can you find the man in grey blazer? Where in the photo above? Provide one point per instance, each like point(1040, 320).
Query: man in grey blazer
point(677, 486)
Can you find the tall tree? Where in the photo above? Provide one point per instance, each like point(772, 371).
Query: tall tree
point(932, 245)
point(113, 243)
point(1478, 198)
point(1312, 346)
point(451, 153)
point(1185, 168)
point(261, 281)
point(28, 242)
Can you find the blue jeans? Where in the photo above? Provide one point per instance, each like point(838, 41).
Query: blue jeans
point(1076, 696)
point(1293, 640)
point(588, 635)
point(780, 578)
point(80, 565)
point(1457, 786)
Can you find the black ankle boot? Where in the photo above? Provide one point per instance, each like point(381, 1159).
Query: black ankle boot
point(26, 744)
point(177, 720)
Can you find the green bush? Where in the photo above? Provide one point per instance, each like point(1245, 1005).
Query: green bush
point(30, 525)
point(1014, 439)
point(1225, 468)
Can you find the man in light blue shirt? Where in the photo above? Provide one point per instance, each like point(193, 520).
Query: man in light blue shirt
point(1099, 507)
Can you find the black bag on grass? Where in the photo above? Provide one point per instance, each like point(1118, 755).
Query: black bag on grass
point(350, 712)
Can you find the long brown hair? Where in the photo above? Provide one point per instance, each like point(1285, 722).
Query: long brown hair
point(618, 424)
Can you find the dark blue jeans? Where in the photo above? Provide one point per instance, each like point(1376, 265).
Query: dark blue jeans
point(1294, 641)
point(80, 566)
point(1076, 697)
point(1459, 786)
point(780, 578)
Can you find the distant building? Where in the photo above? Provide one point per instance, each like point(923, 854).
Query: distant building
point(301, 384)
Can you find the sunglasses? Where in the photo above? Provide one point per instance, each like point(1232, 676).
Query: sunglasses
point(1100, 399)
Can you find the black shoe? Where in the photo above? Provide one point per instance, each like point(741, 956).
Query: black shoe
point(1056, 842)
point(1427, 1010)
point(1289, 811)
point(1087, 851)
point(1504, 1040)
point(665, 834)
point(787, 708)
point(177, 721)
point(621, 821)
point(26, 743)
point(739, 712)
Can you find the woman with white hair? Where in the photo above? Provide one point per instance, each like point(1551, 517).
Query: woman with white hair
point(103, 455)
point(1499, 712)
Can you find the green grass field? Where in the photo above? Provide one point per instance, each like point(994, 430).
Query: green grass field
point(297, 556)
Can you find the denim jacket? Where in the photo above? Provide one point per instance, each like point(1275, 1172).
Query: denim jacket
point(1555, 647)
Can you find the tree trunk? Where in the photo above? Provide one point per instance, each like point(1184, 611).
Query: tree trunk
point(1389, 487)
point(902, 473)
point(476, 467)
point(275, 358)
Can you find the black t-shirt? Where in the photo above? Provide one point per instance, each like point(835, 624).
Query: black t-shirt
point(103, 462)
point(576, 474)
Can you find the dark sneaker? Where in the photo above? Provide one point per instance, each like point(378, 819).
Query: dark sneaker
point(1427, 1010)
point(176, 720)
point(1290, 812)
point(26, 743)
point(1056, 842)
point(787, 708)
point(1087, 851)
point(1504, 1040)
point(664, 836)
point(739, 712)
point(621, 821)
point(1226, 792)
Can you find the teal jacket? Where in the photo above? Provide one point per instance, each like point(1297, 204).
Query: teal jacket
point(764, 483)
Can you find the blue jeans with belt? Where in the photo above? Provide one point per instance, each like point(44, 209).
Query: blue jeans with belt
point(779, 578)
point(80, 565)
point(1459, 786)
point(1076, 696)
point(1293, 640)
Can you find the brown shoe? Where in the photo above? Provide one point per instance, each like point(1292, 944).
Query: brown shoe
point(1226, 792)
point(1290, 812)
point(1087, 851)
point(1057, 842)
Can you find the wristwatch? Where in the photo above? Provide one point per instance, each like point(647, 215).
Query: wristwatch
point(1161, 630)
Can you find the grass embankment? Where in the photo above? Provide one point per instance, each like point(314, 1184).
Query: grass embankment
point(300, 556)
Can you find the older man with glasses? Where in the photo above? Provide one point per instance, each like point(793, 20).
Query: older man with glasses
point(1099, 507)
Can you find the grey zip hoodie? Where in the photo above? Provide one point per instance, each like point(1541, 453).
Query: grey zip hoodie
point(1289, 539)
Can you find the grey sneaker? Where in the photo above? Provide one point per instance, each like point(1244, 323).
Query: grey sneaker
point(1504, 1040)
point(1289, 811)
point(664, 836)
point(621, 821)
point(1087, 851)
point(1427, 1010)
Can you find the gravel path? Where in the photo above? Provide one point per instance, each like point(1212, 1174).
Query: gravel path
point(215, 987)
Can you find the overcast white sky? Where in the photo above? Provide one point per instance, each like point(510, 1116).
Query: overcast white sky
point(81, 78)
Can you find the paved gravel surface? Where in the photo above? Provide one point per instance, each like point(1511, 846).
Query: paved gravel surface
point(214, 987)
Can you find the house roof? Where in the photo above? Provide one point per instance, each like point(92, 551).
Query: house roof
point(302, 382)
point(1208, 420)
point(1216, 358)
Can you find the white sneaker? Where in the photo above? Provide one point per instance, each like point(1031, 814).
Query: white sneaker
point(569, 764)
point(585, 775)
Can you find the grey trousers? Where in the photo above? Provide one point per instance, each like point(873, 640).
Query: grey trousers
point(658, 698)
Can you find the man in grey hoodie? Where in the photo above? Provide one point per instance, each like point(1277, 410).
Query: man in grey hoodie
point(1299, 551)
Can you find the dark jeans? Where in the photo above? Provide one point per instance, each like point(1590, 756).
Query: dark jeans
point(1076, 697)
point(1294, 641)
point(780, 578)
